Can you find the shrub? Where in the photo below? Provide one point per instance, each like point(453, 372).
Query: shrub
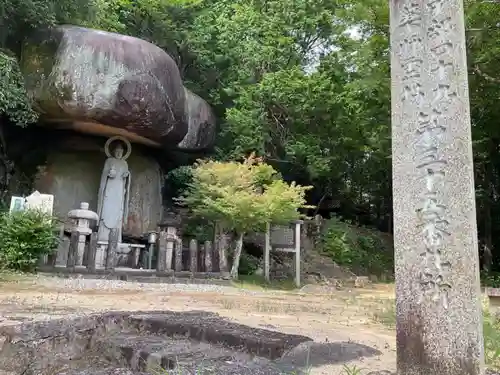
point(176, 182)
point(248, 264)
point(242, 197)
point(360, 250)
point(491, 332)
point(490, 279)
point(24, 238)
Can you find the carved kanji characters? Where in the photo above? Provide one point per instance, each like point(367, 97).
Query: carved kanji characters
point(410, 16)
point(412, 69)
point(439, 27)
point(413, 92)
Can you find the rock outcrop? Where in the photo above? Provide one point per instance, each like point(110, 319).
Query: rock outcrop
point(152, 341)
point(109, 84)
point(201, 124)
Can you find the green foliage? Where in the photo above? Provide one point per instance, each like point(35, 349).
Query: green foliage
point(17, 20)
point(290, 81)
point(259, 282)
point(24, 238)
point(199, 229)
point(491, 332)
point(248, 264)
point(490, 279)
point(13, 100)
point(177, 181)
point(362, 251)
point(290, 84)
point(351, 370)
point(242, 196)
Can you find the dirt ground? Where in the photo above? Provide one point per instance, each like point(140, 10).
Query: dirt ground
point(344, 324)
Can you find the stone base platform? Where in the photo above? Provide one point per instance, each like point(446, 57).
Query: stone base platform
point(140, 343)
point(138, 275)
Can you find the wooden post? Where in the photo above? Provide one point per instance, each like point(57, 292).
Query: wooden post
point(208, 256)
point(73, 249)
point(112, 249)
point(92, 252)
point(298, 231)
point(193, 256)
point(267, 252)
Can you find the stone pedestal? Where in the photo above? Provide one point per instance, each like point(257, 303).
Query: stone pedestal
point(170, 246)
point(193, 256)
point(101, 254)
point(161, 259)
point(82, 216)
point(62, 252)
point(92, 252)
point(208, 257)
point(178, 256)
point(123, 255)
point(73, 250)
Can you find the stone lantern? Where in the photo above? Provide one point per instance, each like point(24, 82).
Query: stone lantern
point(82, 216)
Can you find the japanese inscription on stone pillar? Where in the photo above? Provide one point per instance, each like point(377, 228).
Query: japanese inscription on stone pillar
point(435, 234)
point(425, 57)
point(432, 119)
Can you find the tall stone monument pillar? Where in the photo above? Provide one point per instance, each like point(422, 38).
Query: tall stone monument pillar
point(439, 319)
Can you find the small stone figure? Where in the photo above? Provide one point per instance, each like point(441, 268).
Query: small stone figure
point(114, 191)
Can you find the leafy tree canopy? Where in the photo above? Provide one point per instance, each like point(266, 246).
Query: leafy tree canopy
point(243, 196)
point(303, 84)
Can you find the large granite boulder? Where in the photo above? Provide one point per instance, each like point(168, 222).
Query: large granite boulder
point(201, 124)
point(110, 84)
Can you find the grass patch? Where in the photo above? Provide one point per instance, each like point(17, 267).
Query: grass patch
point(351, 370)
point(491, 331)
point(254, 282)
point(386, 315)
point(9, 276)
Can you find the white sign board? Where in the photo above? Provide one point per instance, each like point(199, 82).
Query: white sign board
point(42, 202)
point(17, 204)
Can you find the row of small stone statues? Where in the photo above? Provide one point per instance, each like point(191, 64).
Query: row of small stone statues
point(95, 255)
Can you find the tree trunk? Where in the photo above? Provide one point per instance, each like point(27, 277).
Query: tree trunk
point(237, 256)
point(6, 167)
point(221, 243)
point(488, 240)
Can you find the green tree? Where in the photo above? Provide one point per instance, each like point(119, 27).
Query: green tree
point(17, 20)
point(242, 197)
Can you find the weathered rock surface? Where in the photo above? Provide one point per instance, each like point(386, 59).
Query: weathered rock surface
point(141, 343)
point(110, 84)
point(201, 124)
point(74, 177)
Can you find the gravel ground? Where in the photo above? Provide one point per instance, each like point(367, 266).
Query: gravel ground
point(340, 322)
